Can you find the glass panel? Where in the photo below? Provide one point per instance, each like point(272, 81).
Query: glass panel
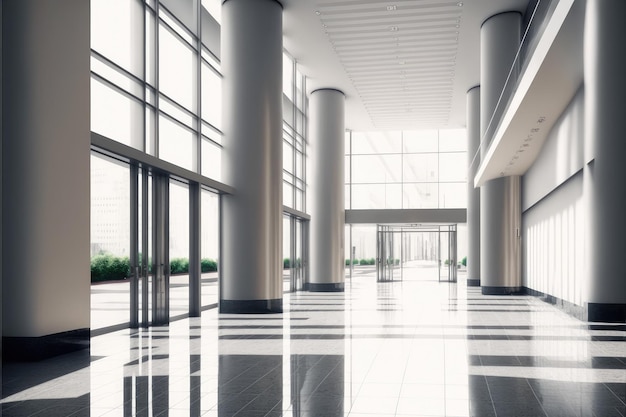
point(453, 167)
point(376, 142)
point(211, 160)
point(420, 196)
point(116, 116)
point(286, 253)
point(150, 47)
point(376, 168)
point(176, 144)
point(299, 89)
point(288, 76)
point(117, 32)
point(211, 97)
point(364, 243)
point(287, 157)
point(176, 69)
point(420, 167)
point(179, 248)
point(453, 195)
point(110, 242)
point(420, 141)
point(299, 165)
point(393, 196)
point(209, 246)
point(368, 196)
point(346, 169)
point(287, 194)
point(452, 140)
point(300, 200)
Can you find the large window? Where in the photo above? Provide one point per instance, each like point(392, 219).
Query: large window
point(406, 170)
point(294, 135)
point(155, 86)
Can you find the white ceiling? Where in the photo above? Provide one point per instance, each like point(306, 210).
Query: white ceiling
point(403, 64)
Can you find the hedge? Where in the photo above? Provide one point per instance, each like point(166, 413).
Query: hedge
point(107, 267)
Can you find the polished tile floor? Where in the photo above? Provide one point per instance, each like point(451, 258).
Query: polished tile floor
point(411, 348)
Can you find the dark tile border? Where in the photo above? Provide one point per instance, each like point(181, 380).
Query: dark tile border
point(251, 306)
point(473, 282)
point(29, 349)
point(501, 290)
point(325, 287)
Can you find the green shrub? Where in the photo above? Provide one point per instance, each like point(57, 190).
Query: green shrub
point(107, 267)
point(464, 261)
point(370, 261)
point(179, 266)
point(208, 265)
point(286, 263)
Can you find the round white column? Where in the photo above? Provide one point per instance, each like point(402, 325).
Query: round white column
point(251, 264)
point(605, 92)
point(500, 203)
point(473, 194)
point(326, 158)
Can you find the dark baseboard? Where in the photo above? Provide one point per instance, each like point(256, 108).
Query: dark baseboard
point(473, 282)
point(325, 287)
point(29, 349)
point(609, 313)
point(501, 290)
point(568, 307)
point(593, 312)
point(251, 306)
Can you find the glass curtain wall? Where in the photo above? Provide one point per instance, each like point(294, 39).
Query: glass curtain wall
point(295, 105)
point(156, 86)
point(156, 83)
point(406, 169)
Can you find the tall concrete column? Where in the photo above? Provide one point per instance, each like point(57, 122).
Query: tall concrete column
point(326, 156)
point(500, 199)
point(252, 161)
point(605, 91)
point(45, 176)
point(473, 194)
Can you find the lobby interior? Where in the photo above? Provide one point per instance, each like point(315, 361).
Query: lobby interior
point(349, 208)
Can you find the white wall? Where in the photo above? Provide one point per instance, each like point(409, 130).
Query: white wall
point(554, 210)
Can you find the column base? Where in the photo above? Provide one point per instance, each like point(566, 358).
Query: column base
point(473, 282)
point(604, 312)
point(501, 290)
point(325, 287)
point(29, 349)
point(251, 306)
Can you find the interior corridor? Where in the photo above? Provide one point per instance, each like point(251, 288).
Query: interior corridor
point(411, 348)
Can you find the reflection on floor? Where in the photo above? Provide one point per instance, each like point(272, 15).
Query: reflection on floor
point(411, 348)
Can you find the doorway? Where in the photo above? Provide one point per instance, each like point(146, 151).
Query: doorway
point(416, 252)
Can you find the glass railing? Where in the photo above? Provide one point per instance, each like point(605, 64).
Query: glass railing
point(536, 20)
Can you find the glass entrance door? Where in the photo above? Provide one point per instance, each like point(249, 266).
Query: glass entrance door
point(150, 269)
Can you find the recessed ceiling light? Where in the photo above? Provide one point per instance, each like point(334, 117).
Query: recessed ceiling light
point(402, 62)
point(394, 28)
point(460, 4)
point(391, 8)
point(317, 12)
